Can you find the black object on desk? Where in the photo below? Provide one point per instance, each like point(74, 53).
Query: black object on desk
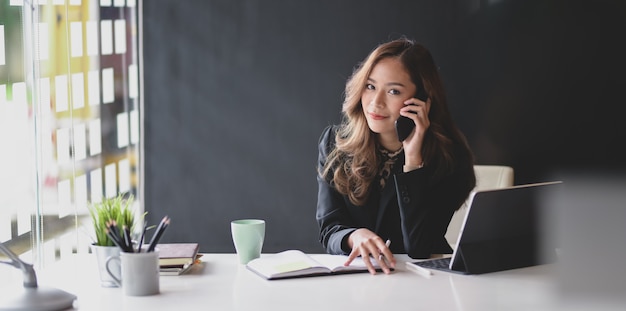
point(502, 230)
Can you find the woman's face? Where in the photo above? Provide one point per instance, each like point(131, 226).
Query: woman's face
point(388, 86)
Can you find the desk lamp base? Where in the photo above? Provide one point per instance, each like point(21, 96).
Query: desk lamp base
point(36, 299)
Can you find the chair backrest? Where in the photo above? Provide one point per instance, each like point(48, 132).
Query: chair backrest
point(487, 177)
point(493, 176)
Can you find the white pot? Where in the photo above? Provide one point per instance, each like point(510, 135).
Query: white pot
point(102, 253)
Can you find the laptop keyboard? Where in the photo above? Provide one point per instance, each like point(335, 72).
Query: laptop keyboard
point(440, 263)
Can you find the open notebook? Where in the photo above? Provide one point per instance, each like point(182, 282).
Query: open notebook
point(295, 263)
point(502, 230)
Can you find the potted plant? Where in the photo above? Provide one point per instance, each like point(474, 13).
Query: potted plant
point(118, 209)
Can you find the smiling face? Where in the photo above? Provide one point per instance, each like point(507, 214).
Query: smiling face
point(388, 86)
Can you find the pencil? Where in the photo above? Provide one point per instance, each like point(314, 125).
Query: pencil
point(157, 235)
point(116, 241)
point(127, 240)
point(143, 234)
point(113, 233)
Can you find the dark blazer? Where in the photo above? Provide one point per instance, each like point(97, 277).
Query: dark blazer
point(412, 211)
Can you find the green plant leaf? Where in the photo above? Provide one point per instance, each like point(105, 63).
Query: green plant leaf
point(118, 209)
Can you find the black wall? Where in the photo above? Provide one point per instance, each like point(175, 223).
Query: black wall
point(237, 93)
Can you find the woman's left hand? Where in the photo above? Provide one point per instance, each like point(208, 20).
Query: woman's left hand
point(370, 246)
point(417, 111)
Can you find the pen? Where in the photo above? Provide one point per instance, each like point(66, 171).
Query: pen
point(381, 257)
point(419, 270)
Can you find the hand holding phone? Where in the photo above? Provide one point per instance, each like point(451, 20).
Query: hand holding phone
point(404, 125)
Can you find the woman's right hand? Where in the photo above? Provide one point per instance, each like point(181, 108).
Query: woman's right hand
point(417, 111)
point(369, 246)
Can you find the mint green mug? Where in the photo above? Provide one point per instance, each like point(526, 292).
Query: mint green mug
point(248, 236)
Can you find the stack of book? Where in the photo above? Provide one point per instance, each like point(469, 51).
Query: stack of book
point(177, 258)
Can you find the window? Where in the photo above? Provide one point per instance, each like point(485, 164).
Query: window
point(70, 119)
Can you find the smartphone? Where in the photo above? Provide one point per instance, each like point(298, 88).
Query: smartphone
point(404, 125)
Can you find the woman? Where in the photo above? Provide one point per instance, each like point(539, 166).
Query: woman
point(374, 188)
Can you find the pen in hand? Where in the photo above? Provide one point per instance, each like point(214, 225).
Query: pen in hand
point(382, 257)
point(387, 243)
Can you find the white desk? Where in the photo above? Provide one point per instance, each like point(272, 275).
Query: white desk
point(220, 283)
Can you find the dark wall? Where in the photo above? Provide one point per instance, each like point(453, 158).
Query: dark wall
point(543, 85)
point(237, 93)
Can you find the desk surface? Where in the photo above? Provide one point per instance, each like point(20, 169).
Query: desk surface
point(221, 283)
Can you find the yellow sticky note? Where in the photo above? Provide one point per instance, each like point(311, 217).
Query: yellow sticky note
point(292, 266)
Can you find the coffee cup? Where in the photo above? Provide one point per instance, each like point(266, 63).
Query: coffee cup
point(248, 236)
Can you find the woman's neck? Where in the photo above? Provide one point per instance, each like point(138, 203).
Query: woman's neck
point(389, 142)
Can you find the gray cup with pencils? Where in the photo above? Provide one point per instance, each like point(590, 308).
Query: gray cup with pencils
point(140, 266)
point(140, 273)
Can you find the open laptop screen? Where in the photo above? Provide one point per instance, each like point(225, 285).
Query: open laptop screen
point(502, 230)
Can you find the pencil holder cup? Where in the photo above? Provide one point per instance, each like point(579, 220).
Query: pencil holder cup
point(248, 236)
point(140, 273)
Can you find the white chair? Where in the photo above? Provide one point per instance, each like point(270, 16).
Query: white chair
point(487, 177)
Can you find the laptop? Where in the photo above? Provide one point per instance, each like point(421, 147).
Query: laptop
point(502, 230)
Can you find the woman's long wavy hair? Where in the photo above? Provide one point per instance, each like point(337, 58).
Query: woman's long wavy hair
point(353, 164)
